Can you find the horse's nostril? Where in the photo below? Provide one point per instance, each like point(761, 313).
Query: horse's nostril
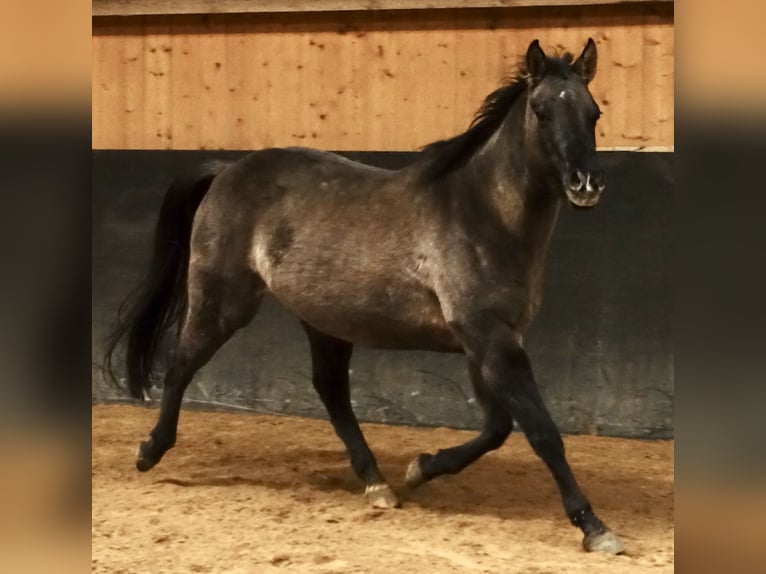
point(576, 180)
point(597, 181)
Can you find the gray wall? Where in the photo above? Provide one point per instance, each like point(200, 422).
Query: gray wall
point(601, 346)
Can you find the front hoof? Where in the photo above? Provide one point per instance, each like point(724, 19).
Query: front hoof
point(606, 541)
point(148, 456)
point(414, 476)
point(381, 496)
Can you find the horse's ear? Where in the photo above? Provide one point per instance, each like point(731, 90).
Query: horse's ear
point(536, 60)
point(585, 65)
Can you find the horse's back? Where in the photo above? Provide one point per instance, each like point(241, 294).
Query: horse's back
point(297, 168)
point(276, 178)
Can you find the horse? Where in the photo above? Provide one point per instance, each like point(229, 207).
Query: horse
point(446, 254)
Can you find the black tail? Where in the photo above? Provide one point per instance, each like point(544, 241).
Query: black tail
point(160, 299)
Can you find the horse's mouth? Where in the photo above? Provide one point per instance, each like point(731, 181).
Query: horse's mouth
point(579, 199)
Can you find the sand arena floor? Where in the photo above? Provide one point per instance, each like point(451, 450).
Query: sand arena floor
point(263, 494)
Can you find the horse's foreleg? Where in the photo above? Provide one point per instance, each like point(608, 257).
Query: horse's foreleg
point(215, 313)
point(506, 370)
point(497, 426)
point(330, 361)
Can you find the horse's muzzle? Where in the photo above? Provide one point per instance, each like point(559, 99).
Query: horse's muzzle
point(583, 189)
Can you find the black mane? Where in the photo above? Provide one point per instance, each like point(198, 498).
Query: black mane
point(444, 156)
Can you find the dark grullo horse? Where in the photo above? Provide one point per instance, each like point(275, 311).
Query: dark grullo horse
point(446, 255)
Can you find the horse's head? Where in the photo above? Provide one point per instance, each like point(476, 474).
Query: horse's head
point(561, 122)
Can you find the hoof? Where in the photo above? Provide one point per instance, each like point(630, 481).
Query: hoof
point(147, 456)
point(606, 541)
point(381, 496)
point(414, 476)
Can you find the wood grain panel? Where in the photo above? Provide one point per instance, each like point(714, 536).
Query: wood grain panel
point(361, 80)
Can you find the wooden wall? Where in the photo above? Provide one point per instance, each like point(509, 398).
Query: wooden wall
point(371, 80)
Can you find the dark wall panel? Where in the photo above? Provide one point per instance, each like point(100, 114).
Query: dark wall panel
point(601, 346)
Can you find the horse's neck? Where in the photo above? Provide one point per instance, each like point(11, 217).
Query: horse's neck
point(524, 206)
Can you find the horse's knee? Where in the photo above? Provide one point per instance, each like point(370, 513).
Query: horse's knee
point(496, 438)
point(505, 368)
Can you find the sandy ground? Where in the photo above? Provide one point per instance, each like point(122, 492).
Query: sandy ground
point(261, 494)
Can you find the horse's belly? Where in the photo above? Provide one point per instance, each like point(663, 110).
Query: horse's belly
point(386, 332)
point(383, 317)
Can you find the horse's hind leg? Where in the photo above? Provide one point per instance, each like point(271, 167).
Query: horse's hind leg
point(497, 426)
point(330, 360)
point(217, 309)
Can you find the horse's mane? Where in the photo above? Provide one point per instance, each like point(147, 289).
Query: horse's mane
point(444, 156)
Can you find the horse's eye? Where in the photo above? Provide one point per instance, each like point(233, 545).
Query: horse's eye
point(542, 111)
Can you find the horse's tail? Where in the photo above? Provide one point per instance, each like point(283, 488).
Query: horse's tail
point(160, 299)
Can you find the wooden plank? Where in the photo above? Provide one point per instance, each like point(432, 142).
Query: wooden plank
point(157, 85)
point(188, 89)
point(132, 71)
point(149, 7)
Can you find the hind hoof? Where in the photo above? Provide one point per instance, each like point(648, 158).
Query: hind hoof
point(142, 465)
point(381, 496)
point(414, 476)
point(607, 542)
point(147, 456)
